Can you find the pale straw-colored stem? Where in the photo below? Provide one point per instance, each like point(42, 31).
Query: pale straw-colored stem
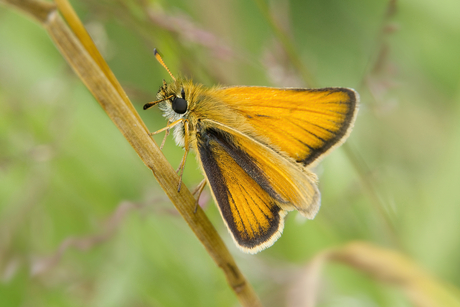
point(78, 49)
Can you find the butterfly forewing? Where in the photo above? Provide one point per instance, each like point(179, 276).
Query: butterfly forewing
point(303, 123)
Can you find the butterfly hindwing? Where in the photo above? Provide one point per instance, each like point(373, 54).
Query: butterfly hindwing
point(250, 212)
point(253, 185)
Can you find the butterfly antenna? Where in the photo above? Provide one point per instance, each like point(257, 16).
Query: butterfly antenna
point(159, 59)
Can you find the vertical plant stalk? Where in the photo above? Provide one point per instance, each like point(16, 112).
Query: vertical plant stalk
point(88, 64)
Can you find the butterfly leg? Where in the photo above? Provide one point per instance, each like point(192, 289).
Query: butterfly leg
point(167, 129)
point(184, 158)
point(198, 190)
point(186, 145)
point(166, 135)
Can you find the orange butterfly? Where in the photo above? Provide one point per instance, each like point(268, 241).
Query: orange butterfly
point(255, 146)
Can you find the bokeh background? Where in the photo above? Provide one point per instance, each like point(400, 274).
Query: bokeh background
point(84, 223)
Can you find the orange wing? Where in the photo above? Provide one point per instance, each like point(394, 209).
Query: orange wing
point(253, 185)
point(303, 123)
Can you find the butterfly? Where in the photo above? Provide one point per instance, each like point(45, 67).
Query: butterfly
point(256, 146)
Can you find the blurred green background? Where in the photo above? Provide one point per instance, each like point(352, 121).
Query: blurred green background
point(84, 223)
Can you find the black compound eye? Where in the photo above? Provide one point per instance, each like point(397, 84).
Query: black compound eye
point(179, 105)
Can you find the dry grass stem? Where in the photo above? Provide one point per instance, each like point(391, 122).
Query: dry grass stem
point(80, 52)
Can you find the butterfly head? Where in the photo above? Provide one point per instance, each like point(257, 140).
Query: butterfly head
point(172, 100)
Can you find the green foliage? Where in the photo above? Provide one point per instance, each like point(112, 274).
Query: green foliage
point(65, 171)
